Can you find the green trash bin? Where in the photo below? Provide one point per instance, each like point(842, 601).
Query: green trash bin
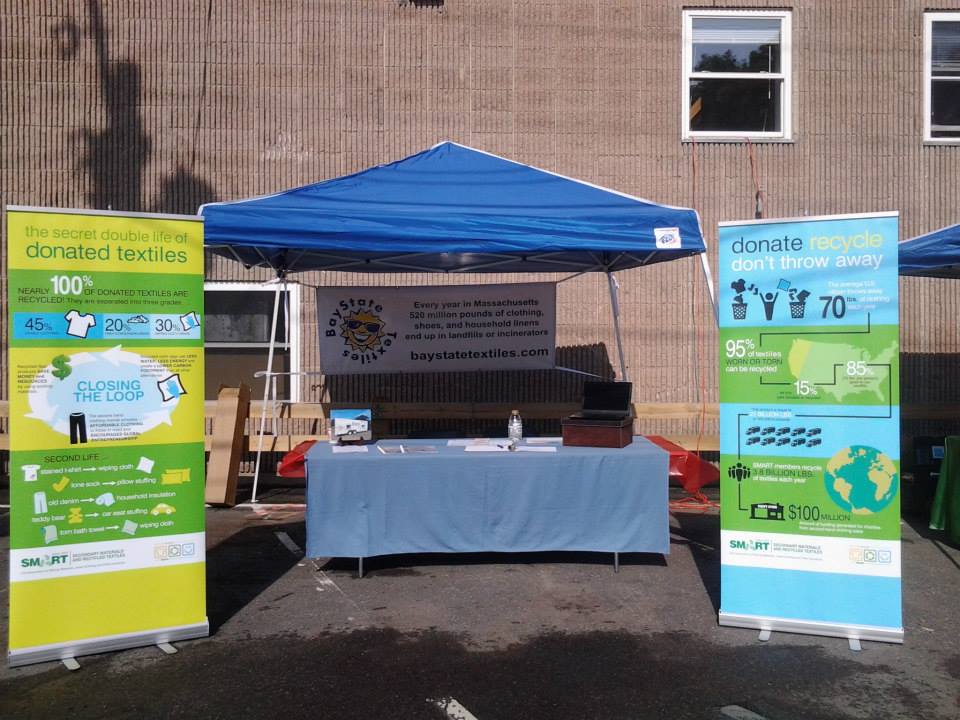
point(945, 513)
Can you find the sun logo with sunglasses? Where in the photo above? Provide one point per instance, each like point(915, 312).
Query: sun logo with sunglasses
point(363, 331)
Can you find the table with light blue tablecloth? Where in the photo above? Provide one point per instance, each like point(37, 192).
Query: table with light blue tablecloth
point(588, 499)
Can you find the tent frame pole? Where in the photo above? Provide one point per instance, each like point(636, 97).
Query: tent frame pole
point(267, 382)
point(615, 307)
point(705, 266)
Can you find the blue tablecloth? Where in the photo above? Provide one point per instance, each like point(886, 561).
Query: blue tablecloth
point(595, 499)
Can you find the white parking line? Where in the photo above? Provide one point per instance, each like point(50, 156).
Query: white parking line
point(288, 543)
point(453, 709)
point(740, 713)
point(260, 507)
point(677, 536)
point(324, 579)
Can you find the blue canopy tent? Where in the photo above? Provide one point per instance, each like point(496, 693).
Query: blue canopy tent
point(936, 254)
point(451, 209)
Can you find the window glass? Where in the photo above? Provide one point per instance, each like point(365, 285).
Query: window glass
point(241, 316)
point(943, 90)
point(237, 336)
point(945, 108)
point(945, 53)
point(730, 105)
point(737, 70)
point(736, 45)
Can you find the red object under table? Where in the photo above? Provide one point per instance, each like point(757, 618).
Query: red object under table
point(686, 468)
point(293, 464)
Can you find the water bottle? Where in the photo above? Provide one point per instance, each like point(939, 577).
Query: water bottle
point(515, 427)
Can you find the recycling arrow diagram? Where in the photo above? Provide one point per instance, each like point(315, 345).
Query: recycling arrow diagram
point(82, 358)
point(39, 401)
point(43, 411)
point(157, 417)
point(117, 355)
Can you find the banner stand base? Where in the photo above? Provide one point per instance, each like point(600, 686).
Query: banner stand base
point(802, 627)
point(64, 651)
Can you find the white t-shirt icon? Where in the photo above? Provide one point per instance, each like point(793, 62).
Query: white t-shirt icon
point(79, 324)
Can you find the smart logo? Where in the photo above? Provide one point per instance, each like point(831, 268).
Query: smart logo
point(754, 545)
point(44, 561)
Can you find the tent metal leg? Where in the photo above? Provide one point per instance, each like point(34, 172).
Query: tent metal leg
point(615, 306)
point(290, 365)
point(616, 562)
point(267, 382)
point(359, 567)
point(705, 265)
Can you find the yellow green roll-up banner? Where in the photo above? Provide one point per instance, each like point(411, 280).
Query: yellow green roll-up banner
point(106, 431)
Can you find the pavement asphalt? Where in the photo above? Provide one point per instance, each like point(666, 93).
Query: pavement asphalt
point(544, 635)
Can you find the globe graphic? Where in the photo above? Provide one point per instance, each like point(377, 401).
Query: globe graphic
point(861, 479)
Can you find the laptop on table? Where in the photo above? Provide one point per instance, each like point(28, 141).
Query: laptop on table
point(605, 401)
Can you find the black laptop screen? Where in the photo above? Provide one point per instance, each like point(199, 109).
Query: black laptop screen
point(607, 396)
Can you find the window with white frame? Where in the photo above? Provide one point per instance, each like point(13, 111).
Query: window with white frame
point(736, 74)
point(941, 71)
point(238, 318)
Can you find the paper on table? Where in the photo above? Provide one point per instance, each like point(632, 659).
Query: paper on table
point(486, 448)
point(349, 448)
point(406, 449)
point(466, 442)
point(543, 440)
point(537, 448)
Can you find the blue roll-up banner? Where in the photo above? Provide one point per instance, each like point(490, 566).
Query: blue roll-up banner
point(810, 426)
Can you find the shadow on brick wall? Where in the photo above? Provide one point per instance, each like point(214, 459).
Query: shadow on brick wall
point(115, 157)
point(183, 193)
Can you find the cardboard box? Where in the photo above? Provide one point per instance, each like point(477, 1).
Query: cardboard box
point(223, 467)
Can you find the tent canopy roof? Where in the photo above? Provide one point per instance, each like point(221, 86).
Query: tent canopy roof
point(450, 209)
point(936, 254)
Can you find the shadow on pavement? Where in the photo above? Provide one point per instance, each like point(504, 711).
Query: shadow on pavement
point(409, 564)
point(938, 538)
point(244, 565)
point(701, 533)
